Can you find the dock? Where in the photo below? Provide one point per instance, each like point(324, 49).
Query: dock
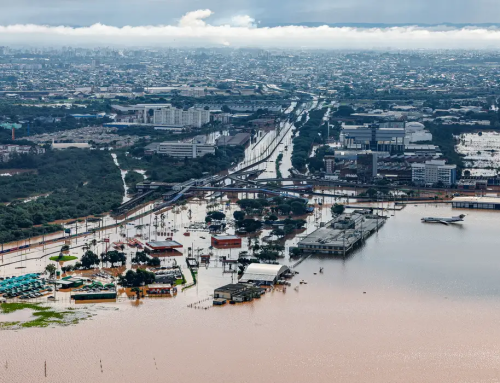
point(342, 234)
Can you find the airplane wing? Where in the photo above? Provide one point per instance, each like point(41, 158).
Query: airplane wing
point(444, 223)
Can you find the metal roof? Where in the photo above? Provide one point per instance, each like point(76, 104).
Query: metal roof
point(262, 272)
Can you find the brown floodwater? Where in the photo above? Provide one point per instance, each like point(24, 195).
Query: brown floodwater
point(417, 303)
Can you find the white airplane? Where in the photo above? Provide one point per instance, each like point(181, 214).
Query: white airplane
point(444, 221)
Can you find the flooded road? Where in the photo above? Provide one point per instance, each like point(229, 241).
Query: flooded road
point(417, 303)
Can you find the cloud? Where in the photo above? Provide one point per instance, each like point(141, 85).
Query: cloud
point(243, 21)
point(193, 30)
point(195, 19)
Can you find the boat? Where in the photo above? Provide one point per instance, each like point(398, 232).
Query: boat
point(444, 221)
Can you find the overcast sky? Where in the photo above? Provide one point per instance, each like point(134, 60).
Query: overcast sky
point(256, 23)
point(154, 12)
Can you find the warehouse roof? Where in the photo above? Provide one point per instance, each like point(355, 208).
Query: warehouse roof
point(263, 272)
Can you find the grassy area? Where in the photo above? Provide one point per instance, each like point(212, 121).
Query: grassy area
point(8, 308)
point(44, 316)
point(64, 258)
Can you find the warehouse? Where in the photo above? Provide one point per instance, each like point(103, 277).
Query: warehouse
point(226, 241)
point(490, 203)
point(263, 273)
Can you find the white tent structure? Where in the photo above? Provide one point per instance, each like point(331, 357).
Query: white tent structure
point(263, 273)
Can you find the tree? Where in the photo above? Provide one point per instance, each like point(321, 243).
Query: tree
point(216, 215)
point(272, 217)
point(115, 257)
point(137, 278)
point(338, 208)
point(51, 269)
point(89, 259)
point(295, 252)
point(239, 215)
point(284, 209)
point(298, 208)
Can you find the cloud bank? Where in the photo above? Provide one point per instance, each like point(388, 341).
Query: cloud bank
point(243, 31)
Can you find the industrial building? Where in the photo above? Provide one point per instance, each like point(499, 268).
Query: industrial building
point(433, 172)
point(489, 203)
point(239, 139)
point(263, 273)
point(366, 166)
point(226, 241)
point(342, 234)
point(373, 137)
point(182, 149)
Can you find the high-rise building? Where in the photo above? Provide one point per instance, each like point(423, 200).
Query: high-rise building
point(366, 166)
point(169, 116)
point(329, 164)
point(433, 172)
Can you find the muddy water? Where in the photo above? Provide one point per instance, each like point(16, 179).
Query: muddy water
point(418, 303)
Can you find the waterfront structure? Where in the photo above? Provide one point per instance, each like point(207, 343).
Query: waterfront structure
point(374, 137)
point(226, 241)
point(228, 291)
point(184, 149)
point(489, 203)
point(329, 163)
point(263, 273)
point(433, 172)
point(342, 234)
point(366, 166)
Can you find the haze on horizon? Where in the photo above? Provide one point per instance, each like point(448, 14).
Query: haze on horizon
point(256, 23)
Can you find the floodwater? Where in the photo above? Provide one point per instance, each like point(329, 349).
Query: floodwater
point(417, 303)
point(482, 152)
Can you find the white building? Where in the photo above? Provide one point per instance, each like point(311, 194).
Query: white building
point(415, 132)
point(432, 172)
point(169, 116)
point(164, 115)
point(185, 149)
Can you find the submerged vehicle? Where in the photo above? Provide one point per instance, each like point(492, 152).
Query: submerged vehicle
point(444, 221)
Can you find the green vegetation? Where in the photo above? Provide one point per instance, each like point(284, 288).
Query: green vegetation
point(169, 169)
point(442, 136)
point(51, 269)
point(142, 258)
point(77, 183)
point(63, 258)
point(136, 278)
point(316, 163)
point(44, 317)
point(89, 260)
point(338, 208)
point(283, 206)
point(314, 131)
point(132, 178)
